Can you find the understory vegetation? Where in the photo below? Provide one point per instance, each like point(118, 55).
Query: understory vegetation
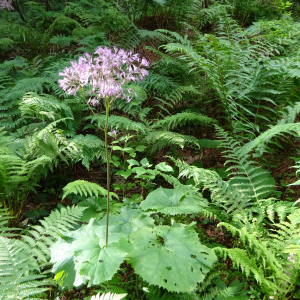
point(149, 149)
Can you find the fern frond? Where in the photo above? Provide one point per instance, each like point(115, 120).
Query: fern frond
point(4, 230)
point(281, 208)
point(85, 188)
point(17, 268)
point(260, 142)
point(248, 177)
point(181, 119)
point(61, 40)
point(84, 148)
point(44, 106)
point(289, 114)
point(121, 123)
point(222, 193)
point(177, 94)
point(161, 139)
point(248, 266)
point(43, 236)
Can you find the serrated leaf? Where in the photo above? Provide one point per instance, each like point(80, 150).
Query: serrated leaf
point(123, 224)
point(173, 202)
point(99, 264)
point(84, 260)
point(170, 257)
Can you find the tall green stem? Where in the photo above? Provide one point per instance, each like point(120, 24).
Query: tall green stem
point(107, 105)
point(107, 164)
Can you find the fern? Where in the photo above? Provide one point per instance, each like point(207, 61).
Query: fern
point(160, 139)
point(61, 40)
point(249, 178)
point(222, 195)
point(285, 237)
point(260, 142)
point(4, 218)
point(203, 17)
point(44, 106)
point(21, 260)
point(289, 114)
point(181, 119)
point(84, 148)
point(268, 256)
point(248, 265)
point(17, 278)
point(281, 208)
point(85, 188)
point(118, 122)
point(154, 292)
point(41, 237)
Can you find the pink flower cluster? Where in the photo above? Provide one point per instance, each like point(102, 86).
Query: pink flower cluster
point(105, 72)
point(6, 4)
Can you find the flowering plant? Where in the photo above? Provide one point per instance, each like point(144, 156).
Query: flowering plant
point(105, 73)
point(6, 4)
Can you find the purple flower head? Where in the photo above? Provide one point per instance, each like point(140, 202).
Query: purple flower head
point(6, 4)
point(114, 132)
point(93, 102)
point(105, 73)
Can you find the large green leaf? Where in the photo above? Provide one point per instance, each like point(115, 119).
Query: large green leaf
point(80, 258)
point(99, 264)
point(173, 202)
point(170, 257)
point(123, 224)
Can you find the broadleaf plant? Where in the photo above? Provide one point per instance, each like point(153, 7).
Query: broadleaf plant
point(176, 251)
point(171, 257)
point(173, 202)
point(84, 260)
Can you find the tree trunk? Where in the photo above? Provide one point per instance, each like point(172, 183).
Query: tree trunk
point(17, 8)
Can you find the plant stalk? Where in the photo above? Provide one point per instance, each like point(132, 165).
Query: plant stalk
point(107, 164)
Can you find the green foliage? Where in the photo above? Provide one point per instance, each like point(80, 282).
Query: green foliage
point(250, 179)
point(171, 218)
point(108, 296)
point(21, 261)
point(84, 187)
point(179, 266)
point(160, 139)
point(173, 202)
point(41, 237)
point(260, 142)
point(17, 273)
point(132, 237)
point(182, 119)
point(84, 260)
